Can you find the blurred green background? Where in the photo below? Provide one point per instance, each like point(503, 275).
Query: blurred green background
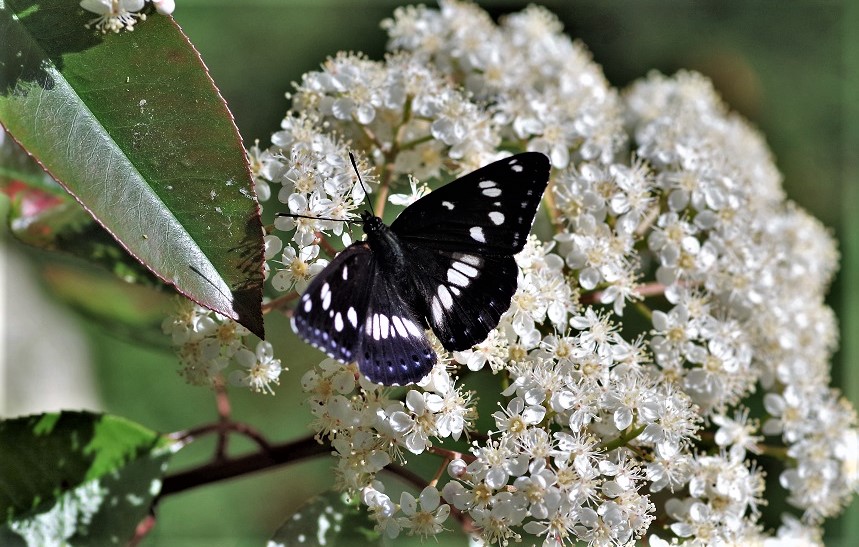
point(790, 67)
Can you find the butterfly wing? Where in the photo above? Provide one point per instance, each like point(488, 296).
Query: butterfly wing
point(352, 312)
point(465, 294)
point(394, 349)
point(461, 240)
point(319, 317)
point(488, 211)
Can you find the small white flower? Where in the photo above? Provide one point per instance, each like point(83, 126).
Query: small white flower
point(164, 7)
point(299, 268)
point(424, 516)
point(262, 368)
point(407, 199)
point(114, 15)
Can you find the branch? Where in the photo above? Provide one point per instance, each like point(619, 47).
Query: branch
point(233, 467)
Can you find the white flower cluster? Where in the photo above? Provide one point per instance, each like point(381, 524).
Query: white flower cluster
point(678, 281)
point(207, 343)
point(549, 96)
point(118, 15)
point(746, 275)
point(369, 430)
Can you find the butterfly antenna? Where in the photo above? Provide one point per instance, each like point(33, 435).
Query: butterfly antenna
point(294, 215)
point(366, 197)
point(366, 193)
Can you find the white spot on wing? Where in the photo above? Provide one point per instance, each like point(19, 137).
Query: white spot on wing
point(346, 271)
point(492, 192)
point(476, 234)
point(496, 218)
point(465, 268)
point(376, 334)
point(455, 290)
point(448, 204)
point(457, 278)
point(412, 328)
point(308, 305)
point(436, 310)
point(487, 184)
point(326, 300)
point(445, 297)
point(352, 316)
point(384, 325)
point(338, 322)
point(516, 168)
point(470, 259)
point(398, 324)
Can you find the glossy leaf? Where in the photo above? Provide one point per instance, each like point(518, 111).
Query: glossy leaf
point(77, 478)
point(328, 520)
point(133, 127)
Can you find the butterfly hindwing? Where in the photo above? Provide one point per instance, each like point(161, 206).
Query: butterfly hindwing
point(488, 211)
point(330, 314)
point(353, 312)
point(394, 349)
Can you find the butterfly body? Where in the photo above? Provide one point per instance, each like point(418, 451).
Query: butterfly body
point(446, 262)
point(386, 246)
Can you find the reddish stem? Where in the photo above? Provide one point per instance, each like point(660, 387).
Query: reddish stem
point(279, 302)
point(651, 289)
point(222, 401)
point(451, 454)
point(240, 428)
point(645, 290)
point(143, 528)
point(322, 241)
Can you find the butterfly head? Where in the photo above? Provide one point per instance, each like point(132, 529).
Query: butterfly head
point(372, 223)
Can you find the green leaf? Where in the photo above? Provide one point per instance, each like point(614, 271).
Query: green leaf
point(133, 127)
point(330, 520)
point(44, 215)
point(77, 478)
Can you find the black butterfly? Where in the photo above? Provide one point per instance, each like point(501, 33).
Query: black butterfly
point(446, 262)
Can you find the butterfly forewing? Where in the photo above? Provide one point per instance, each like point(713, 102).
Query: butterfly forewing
point(489, 210)
point(353, 312)
point(463, 237)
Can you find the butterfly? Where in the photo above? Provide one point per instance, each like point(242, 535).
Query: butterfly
point(446, 262)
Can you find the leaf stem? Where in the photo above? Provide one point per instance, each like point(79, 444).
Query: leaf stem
point(623, 439)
